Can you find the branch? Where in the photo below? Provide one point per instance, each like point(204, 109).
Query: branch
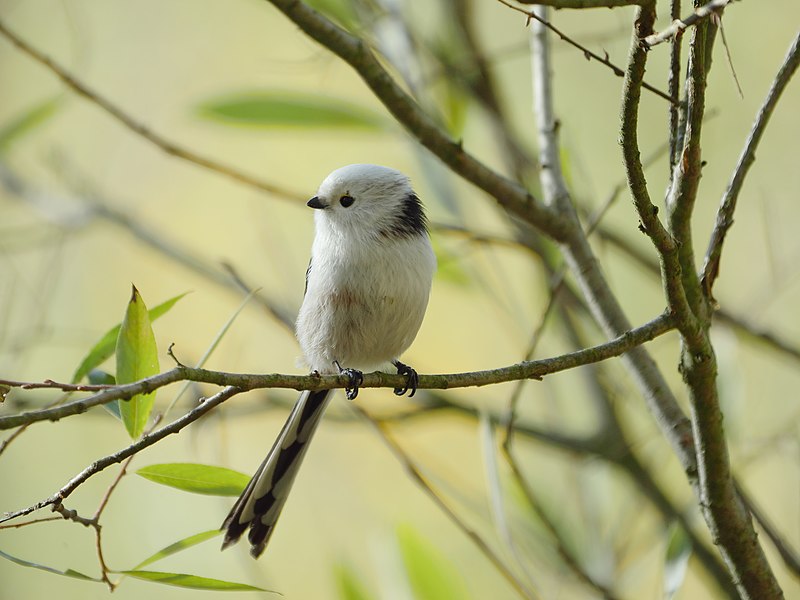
point(602, 303)
point(680, 25)
point(97, 207)
point(419, 478)
point(746, 159)
point(354, 51)
point(119, 115)
point(579, 4)
point(588, 54)
point(145, 441)
point(535, 369)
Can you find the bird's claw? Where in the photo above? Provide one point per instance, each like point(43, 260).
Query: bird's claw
point(412, 379)
point(355, 379)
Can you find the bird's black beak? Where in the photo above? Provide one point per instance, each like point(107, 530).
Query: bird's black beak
point(315, 202)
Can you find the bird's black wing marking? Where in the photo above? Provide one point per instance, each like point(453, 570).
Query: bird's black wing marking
point(308, 272)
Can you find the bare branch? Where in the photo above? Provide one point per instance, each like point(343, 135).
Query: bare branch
point(680, 25)
point(588, 54)
point(579, 4)
point(421, 480)
point(145, 441)
point(746, 158)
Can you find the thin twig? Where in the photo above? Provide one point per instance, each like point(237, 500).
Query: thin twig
point(31, 522)
point(49, 384)
point(97, 206)
point(417, 476)
point(680, 25)
point(564, 551)
point(746, 158)
point(136, 447)
point(140, 129)
point(588, 54)
point(790, 556)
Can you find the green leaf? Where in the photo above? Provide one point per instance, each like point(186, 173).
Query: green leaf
point(349, 585)
point(196, 478)
point(679, 549)
point(192, 581)
point(432, 577)
point(104, 348)
point(100, 377)
point(137, 358)
point(68, 573)
point(27, 122)
point(178, 546)
point(283, 109)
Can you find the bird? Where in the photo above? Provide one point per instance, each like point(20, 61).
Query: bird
point(367, 288)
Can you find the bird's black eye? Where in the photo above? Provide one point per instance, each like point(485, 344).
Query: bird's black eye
point(346, 201)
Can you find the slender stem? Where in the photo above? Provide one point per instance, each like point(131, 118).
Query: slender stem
point(746, 158)
point(136, 447)
point(138, 128)
point(415, 473)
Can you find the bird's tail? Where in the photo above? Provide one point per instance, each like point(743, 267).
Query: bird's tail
point(261, 502)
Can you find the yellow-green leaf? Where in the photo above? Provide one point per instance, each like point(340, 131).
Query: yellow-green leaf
point(32, 565)
point(679, 550)
point(348, 583)
point(197, 478)
point(178, 546)
point(137, 358)
point(193, 581)
point(104, 348)
point(27, 122)
point(431, 575)
point(283, 109)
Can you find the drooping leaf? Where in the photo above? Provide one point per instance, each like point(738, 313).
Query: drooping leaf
point(283, 109)
point(27, 122)
point(67, 573)
point(197, 478)
point(137, 358)
point(195, 582)
point(431, 575)
point(348, 583)
point(104, 348)
point(679, 549)
point(178, 546)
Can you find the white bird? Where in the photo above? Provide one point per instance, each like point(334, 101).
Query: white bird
point(367, 288)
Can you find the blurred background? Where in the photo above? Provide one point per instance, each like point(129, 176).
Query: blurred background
point(89, 207)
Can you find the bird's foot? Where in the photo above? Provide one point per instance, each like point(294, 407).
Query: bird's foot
point(412, 379)
point(355, 379)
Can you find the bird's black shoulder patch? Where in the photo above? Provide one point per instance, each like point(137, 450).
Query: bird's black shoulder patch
point(411, 219)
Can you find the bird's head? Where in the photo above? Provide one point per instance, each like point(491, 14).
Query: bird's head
point(369, 200)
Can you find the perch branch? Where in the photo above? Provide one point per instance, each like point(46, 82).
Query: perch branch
point(535, 369)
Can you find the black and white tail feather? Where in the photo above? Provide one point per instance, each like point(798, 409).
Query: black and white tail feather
point(261, 503)
point(367, 289)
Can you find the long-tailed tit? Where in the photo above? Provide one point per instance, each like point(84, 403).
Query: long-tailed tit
point(367, 288)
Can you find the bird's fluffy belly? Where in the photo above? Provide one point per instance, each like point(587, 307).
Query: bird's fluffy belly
point(357, 330)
